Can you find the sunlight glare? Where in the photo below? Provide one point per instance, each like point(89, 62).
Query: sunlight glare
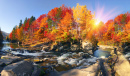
point(97, 22)
point(104, 15)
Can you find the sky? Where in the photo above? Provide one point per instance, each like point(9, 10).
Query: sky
point(12, 11)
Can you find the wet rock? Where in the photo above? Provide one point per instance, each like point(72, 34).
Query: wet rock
point(61, 48)
point(127, 49)
point(36, 71)
point(54, 57)
point(5, 60)
point(74, 47)
point(22, 68)
point(51, 61)
point(48, 69)
point(86, 56)
point(46, 48)
point(37, 60)
point(54, 47)
point(75, 56)
point(66, 48)
point(90, 51)
point(2, 64)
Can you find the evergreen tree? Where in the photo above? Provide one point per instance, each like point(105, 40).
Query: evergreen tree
point(25, 21)
point(13, 33)
point(20, 24)
point(1, 36)
point(31, 20)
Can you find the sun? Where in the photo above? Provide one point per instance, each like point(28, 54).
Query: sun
point(97, 21)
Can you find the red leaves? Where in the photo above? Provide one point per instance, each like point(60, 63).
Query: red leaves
point(116, 38)
point(45, 33)
point(53, 13)
point(64, 10)
point(51, 36)
point(127, 17)
point(118, 19)
point(46, 26)
point(26, 25)
point(10, 36)
point(40, 17)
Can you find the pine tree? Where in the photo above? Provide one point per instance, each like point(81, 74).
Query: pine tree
point(25, 21)
point(1, 36)
point(31, 20)
point(20, 24)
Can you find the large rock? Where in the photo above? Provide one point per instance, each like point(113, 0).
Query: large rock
point(122, 67)
point(36, 71)
point(5, 60)
point(75, 47)
point(90, 71)
point(45, 48)
point(86, 45)
point(127, 49)
point(22, 68)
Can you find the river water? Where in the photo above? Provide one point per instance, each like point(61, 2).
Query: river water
point(63, 61)
point(97, 53)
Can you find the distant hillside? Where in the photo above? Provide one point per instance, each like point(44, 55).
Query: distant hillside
point(5, 34)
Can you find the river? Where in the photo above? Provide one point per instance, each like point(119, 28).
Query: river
point(62, 61)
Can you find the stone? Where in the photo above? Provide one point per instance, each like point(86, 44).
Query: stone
point(127, 49)
point(90, 71)
point(45, 48)
point(86, 45)
point(86, 56)
point(36, 71)
point(90, 51)
point(74, 47)
point(61, 48)
point(22, 68)
point(54, 47)
point(9, 59)
point(122, 67)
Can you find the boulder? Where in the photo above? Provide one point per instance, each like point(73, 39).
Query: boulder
point(90, 71)
point(90, 51)
point(46, 48)
point(122, 67)
point(54, 47)
point(74, 47)
point(9, 57)
point(86, 45)
point(22, 68)
point(36, 71)
point(127, 49)
point(61, 48)
point(5, 60)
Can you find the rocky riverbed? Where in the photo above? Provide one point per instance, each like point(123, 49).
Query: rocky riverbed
point(58, 63)
point(47, 61)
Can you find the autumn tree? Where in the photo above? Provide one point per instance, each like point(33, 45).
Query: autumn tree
point(126, 33)
point(65, 27)
point(83, 18)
